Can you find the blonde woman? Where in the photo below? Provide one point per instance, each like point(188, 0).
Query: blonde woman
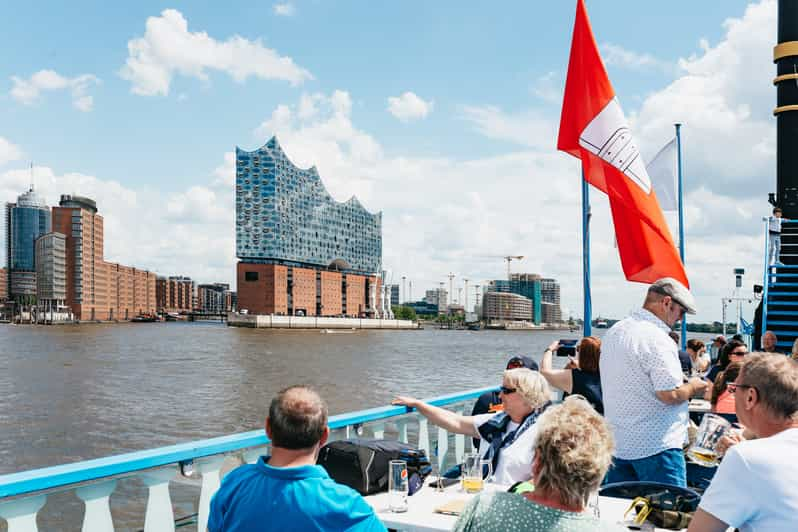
point(573, 451)
point(506, 438)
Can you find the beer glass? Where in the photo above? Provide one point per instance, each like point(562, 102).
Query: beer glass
point(704, 450)
point(472, 473)
point(397, 485)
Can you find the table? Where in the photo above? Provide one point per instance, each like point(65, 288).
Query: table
point(421, 517)
point(700, 406)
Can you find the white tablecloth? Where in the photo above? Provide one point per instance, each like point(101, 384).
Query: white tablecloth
point(421, 516)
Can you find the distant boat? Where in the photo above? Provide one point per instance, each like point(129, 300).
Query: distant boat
point(474, 326)
point(601, 324)
point(145, 318)
point(338, 331)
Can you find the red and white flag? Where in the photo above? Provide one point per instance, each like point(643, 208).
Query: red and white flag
point(594, 129)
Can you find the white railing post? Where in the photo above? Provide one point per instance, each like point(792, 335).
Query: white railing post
point(423, 434)
point(209, 468)
point(459, 444)
point(401, 426)
point(20, 514)
point(97, 516)
point(159, 516)
point(443, 446)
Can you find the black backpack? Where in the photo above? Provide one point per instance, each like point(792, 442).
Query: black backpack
point(362, 464)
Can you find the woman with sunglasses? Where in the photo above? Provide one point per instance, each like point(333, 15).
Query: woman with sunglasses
point(721, 398)
point(734, 351)
point(506, 438)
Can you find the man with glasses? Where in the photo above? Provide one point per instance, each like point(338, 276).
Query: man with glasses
point(754, 487)
point(645, 396)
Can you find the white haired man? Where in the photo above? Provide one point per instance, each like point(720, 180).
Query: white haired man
point(645, 396)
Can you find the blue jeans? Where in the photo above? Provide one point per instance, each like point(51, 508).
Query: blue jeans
point(667, 467)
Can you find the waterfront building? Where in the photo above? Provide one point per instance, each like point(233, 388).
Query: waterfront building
point(528, 285)
point(506, 306)
point(438, 297)
point(51, 274)
point(550, 293)
point(214, 298)
point(301, 252)
point(96, 289)
point(175, 294)
point(3, 284)
point(422, 308)
point(394, 295)
point(26, 220)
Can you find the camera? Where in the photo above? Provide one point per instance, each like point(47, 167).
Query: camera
point(567, 348)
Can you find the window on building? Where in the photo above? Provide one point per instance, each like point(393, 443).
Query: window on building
point(250, 276)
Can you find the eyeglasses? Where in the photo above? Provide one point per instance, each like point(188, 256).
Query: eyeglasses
point(732, 387)
point(739, 353)
point(505, 390)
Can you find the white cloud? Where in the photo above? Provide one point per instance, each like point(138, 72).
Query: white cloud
point(616, 55)
point(528, 128)
point(409, 106)
point(168, 48)
point(285, 9)
point(28, 91)
point(549, 88)
point(8, 151)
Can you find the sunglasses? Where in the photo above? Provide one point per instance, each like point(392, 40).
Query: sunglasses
point(732, 387)
point(505, 390)
point(739, 353)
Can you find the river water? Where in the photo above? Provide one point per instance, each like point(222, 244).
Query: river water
point(70, 393)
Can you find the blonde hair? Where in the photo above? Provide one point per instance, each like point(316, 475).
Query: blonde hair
point(530, 385)
point(795, 349)
point(573, 451)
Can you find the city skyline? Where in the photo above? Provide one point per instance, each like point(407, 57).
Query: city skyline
point(462, 165)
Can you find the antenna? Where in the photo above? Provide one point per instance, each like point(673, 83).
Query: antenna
point(31, 175)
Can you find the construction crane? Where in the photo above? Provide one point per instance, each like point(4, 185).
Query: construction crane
point(509, 259)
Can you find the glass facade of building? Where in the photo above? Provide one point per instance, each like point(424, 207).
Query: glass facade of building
point(26, 220)
point(523, 285)
point(285, 214)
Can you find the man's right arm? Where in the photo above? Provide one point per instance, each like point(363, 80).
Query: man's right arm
point(704, 521)
point(683, 393)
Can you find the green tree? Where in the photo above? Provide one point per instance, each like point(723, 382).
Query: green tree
point(404, 313)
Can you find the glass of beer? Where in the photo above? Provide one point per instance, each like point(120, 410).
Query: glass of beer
point(472, 474)
point(704, 450)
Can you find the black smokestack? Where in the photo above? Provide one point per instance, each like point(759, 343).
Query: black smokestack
point(785, 55)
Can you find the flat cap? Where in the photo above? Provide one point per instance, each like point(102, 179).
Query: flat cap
point(671, 287)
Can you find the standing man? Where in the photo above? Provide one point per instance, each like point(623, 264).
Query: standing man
point(774, 236)
point(287, 490)
point(645, 396)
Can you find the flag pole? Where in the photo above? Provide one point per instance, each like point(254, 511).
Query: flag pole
point(588, 308)
point(681, 218)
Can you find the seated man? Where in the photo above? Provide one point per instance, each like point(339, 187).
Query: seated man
point(287, 490)
point(754, 487)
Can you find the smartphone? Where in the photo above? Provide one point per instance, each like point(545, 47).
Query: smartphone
point(567, 348)
point(445, 482)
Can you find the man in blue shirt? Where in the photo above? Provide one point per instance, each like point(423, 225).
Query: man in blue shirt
point(287, 490)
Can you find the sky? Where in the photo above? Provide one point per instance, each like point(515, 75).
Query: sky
point(442, 115)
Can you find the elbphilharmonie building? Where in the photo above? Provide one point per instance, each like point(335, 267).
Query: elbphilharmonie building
point(300, 251)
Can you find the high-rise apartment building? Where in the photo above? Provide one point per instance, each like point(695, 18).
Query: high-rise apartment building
point(439, 297)
point(51, 272)
point(95, 289)
point(26, 220)
point(214, 298)
point(394, 295)
point(528, 285)
point(3, 284)
point(300, 251)
point(550, 293)
point(506, 306)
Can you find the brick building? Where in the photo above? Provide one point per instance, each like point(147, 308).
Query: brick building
point(96, 289)
point(3, 284)
point(175, 294)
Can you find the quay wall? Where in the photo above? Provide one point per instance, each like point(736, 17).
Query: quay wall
point(261, 321)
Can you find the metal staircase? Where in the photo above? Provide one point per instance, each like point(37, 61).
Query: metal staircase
point(780, 313)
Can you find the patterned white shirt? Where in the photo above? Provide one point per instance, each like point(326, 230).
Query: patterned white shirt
point(638, 358)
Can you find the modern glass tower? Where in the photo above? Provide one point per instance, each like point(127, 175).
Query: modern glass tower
point(26, 220)
point(285, 215)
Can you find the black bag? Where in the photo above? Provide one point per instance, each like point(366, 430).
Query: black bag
point(362, 464)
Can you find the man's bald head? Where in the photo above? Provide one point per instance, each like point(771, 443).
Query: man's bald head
point(297, 418)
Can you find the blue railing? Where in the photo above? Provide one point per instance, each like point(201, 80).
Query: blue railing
point(23, 494)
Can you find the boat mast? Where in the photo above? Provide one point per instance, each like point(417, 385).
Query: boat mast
point(785, 55)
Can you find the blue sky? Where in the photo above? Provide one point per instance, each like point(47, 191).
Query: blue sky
point(487, 81)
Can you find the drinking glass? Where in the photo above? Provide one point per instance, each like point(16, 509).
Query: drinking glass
point(397, 485)
point(472, 473)
point(593, 504)
point(486, 468)
point(704, 449)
